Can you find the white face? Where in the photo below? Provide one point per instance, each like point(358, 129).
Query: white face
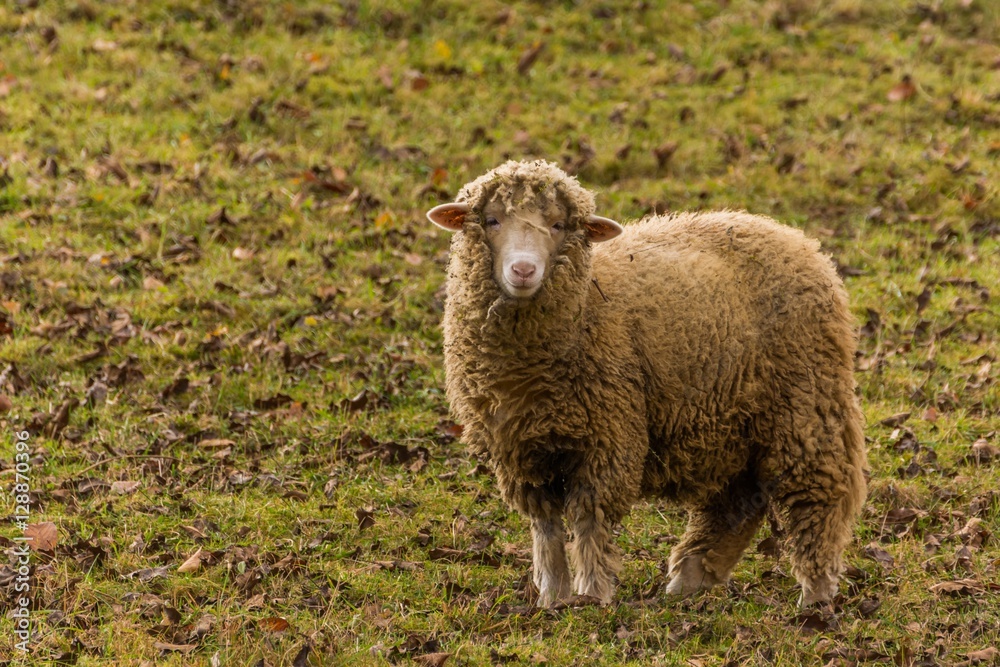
point(524, 244)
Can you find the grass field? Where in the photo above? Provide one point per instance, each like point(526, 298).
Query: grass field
point(219, 324)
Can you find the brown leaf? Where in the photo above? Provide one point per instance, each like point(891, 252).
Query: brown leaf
point(902, 515)
point(958, 587)
point(983, 452)
point(301, 658)
point(175, 388)
point(366, 518)
point(216, 443)
point(273, 402)
point(178, 648)
point(417, 80)
point(192, 564)
point(5, 404)
point(664, 152)
point(903, 90)
point(202, 627)
point(924, 298)
point(356, 403)
point(814, 621)
point(988, 654)
point(529, 57)
point(881, 556)
point(868, 607)
point(43, 536)
point(432, 659)
point(124, 487)
point(895, 420)
point(273, 624)
point(60, 420)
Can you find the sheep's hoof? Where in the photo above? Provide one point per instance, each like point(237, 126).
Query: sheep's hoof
point(552, 588)
point(549, 597)
point(688, 577)
point(818, 591)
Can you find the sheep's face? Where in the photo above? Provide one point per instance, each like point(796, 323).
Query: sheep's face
point(524, 240)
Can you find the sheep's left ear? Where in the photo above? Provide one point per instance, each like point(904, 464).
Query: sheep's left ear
point(448, 216)
point(601, 229)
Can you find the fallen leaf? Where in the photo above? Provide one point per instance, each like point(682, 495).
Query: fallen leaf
point(988, 654)
point(903, 90)
point(868, 607)
point(123, 488)
point(958, 587)
point(814, 621)
point(301, 658)
point(216, 443)
point(983, 452)
point(43, 536)
point(924, 298)
point(192, 564)
point(432, 659)
point(178, 648)
point(895, 420)
point(902, 515)
point(366, 518)
point(273, 624)
point(881, 556)
point(664, 152)
point(529, 56)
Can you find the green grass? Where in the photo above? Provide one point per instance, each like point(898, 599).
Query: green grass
point(325, 130)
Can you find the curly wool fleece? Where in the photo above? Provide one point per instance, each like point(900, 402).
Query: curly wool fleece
point(711, 364)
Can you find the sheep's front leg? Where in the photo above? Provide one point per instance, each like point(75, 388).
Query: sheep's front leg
point(595, 556)
point(551, 574)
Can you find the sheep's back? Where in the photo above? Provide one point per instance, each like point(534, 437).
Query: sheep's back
point(722, 307)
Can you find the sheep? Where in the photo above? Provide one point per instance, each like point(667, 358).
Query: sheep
point(705, 358)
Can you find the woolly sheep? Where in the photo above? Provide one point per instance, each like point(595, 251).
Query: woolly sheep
point(706, 358)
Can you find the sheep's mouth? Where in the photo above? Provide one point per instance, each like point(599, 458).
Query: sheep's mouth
point(524, 292)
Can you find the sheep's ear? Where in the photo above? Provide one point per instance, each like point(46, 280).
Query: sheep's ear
point(448, 216)
point(601, 229)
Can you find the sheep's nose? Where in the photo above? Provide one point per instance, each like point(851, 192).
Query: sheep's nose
point(523, 270)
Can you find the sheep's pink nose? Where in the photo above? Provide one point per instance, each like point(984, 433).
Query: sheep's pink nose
point(523, 270)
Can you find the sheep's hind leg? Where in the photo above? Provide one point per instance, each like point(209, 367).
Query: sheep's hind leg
point(551, 572)
point(716, 536)
point(820, 481)
point(595, 556)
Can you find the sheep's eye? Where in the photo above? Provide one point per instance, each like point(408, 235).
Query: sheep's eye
point(558, 227)
point(492, 222)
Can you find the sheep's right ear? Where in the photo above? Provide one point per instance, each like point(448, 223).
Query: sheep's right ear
point(448, 216)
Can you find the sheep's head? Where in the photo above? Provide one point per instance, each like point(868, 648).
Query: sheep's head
point(527, 211)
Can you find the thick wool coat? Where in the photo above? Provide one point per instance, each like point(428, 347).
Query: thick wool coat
point(693, 353)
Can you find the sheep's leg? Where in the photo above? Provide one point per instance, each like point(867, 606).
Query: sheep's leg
point(595, 556)
point(819, 479)
point(821, 524)
point(716, 536)
point(551, 572)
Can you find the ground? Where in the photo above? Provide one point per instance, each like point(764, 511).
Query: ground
point(219, 328)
